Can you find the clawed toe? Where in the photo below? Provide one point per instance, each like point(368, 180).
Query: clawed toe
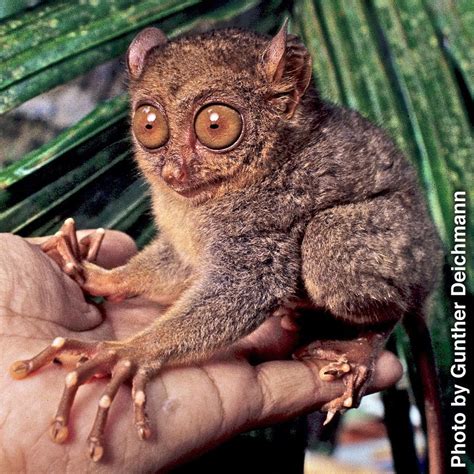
point(330, 415)
point(355, 381)
point(334, 370)
point(344, 361)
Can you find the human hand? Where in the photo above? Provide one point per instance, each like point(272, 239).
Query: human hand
point(191, 409)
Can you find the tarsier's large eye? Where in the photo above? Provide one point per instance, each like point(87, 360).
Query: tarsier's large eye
point(150, 126)
point(218, 126)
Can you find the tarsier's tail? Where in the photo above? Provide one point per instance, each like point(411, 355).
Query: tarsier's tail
point(420, 342)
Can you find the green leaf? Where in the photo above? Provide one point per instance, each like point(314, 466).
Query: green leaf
point(103, 117)
point(66, 17)
point(64, 177)
point(85, 36)
point(313, 35)
point(454, 23)
point(432, 102)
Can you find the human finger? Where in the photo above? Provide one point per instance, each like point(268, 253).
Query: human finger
point(270, 341)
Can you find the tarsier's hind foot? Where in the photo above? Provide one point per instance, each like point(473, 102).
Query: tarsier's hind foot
point(95, 359)
point(352, 361)
point(69, 253)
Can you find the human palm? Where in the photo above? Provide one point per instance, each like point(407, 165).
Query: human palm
point(191, 409)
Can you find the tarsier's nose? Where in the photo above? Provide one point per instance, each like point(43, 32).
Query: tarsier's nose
point(174, 174)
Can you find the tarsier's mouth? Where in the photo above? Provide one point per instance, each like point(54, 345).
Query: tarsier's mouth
point(198, 189)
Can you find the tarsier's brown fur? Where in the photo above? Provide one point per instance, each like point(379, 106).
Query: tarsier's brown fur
point(313, 204)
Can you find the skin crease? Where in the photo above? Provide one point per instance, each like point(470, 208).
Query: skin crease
point(47, 303)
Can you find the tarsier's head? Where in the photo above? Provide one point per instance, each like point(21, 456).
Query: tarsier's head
point(207, 108)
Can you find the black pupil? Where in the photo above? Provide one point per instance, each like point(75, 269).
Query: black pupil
point(148, 126)
point(214, 125)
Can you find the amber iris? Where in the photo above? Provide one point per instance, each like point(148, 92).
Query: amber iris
point(218, 126)
point(150, 126)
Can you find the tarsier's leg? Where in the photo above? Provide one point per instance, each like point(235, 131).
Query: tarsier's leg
point(156, 272)
point(352, 360)
point(358, 265)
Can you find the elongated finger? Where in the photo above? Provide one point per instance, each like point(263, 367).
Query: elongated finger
point(115, 250)
point(139, 399)
point(93, 243)
point(98, 364)
point(95, 440)
point(69, 231)
point(22, 368)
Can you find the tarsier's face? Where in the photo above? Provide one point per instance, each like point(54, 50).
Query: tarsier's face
point(203, 108)
point(197, 156)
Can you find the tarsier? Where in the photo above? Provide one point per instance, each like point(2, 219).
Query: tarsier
point(266, 198)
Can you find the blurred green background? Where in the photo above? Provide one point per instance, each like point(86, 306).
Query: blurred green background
point(407, 65)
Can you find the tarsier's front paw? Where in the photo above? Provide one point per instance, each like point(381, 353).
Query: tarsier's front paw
point(351, 361)
point(95, 359)
point(71, 254)
point(75, 258)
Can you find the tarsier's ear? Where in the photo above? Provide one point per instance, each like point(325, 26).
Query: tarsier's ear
point(287, 67)
point(142, 44)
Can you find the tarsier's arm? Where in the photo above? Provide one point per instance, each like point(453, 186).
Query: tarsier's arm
point(217, 307)
point(156, 272)
point(215, 310)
